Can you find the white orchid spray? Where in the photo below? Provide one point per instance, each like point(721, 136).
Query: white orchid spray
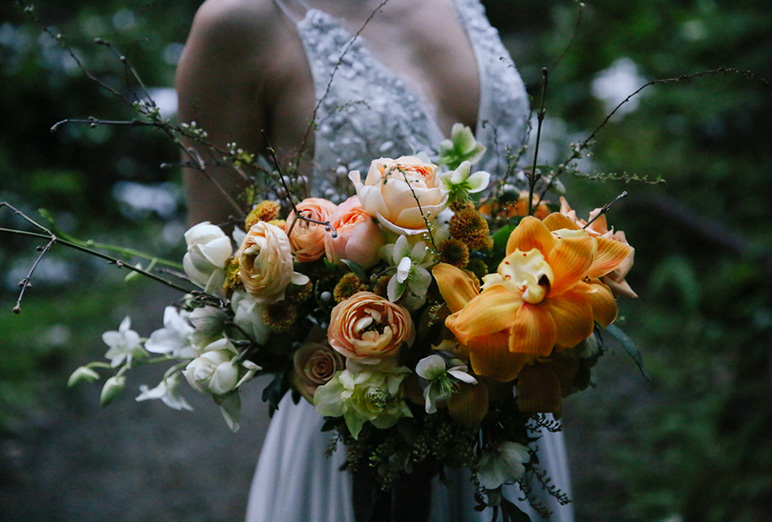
point(412, 279)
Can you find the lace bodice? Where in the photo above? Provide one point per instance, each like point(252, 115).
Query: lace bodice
point(367, 111)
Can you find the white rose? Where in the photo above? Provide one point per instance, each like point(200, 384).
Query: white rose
point(208, 252)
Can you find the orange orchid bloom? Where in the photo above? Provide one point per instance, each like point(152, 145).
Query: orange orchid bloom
point(544, 295)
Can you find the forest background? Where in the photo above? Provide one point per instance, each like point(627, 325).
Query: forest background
point(695, 444)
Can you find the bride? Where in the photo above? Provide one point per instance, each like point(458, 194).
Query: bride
point(414, 69)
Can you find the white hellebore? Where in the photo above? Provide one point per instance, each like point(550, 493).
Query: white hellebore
point(217, 369)
point(208, 252)
point(460, 147)
point(503, 464)
point(441, 379)
point(124, 344)
point(168, 390)
point(411, 272)
point(174, 337)
point(460, 182)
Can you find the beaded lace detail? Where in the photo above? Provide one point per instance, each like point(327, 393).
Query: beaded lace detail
point(367, 111)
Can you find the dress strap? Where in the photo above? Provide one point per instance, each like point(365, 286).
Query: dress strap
point(296, 11)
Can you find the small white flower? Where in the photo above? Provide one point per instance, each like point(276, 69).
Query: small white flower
point(411, 272)
point(460, 183)
point(461, 147)
point(442, 381)
point(503, 464)
point(168, 390)
point(174, 337)
point(124, 344)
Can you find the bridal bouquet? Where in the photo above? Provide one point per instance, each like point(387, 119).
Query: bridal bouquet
point(430, 325)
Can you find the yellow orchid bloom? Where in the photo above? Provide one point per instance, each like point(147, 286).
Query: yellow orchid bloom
point(544, 295)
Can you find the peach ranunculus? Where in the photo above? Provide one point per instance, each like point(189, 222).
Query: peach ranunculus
point(368, 329)
point(265, 263)
point(307, 238)
point(599, 228)
point(315, 364)
point(358, 237)
point(401, 193)
point(545, 294)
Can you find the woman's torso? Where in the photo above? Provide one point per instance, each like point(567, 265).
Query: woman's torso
point(414, 70)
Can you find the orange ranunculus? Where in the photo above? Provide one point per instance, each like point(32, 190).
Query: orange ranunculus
point(545, 294)
point(599, 228)
point(369, 328)
point(306, 237)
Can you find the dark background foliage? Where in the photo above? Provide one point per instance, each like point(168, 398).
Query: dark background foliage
point(693, 445)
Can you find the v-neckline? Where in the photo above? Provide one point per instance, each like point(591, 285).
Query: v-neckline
point(428, 108)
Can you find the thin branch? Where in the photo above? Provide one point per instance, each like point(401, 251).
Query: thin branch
point(605, 208)
point(532, 177)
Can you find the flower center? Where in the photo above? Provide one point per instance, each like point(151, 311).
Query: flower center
point(527, 272)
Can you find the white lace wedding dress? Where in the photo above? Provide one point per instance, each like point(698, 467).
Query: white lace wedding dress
point(295, 481)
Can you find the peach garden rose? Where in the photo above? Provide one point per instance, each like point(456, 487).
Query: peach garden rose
point(401, 193)
point(358, 236)
point(369, 329)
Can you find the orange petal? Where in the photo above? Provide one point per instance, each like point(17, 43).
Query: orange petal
point(538, 390)
point(557, 221)
point(604, 306)
point(610, 254)
point(573, 315)
point(489, 357)
point(531, 233)
point(533, 331)
point(490, 312)
point(570, 260)
point(456, 286)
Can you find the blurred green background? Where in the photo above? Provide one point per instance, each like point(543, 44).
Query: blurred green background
point(693, 445)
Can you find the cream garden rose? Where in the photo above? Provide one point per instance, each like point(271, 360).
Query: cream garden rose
point(265, 263)
point(307, 238)
point(368, 328)
point(401, 193)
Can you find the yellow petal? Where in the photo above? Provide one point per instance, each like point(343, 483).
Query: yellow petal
point(538, 390)
point(604, 306)
point(533, 331)
point(557, 221)
point(492, 311)
point(573, 316)
point(610, 254)
point(530, 233)
point(570, 260)
point(469, 405)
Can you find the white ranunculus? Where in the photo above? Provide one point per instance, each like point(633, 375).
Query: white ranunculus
point(249, 316)
point(217, 370)
point(208, 252)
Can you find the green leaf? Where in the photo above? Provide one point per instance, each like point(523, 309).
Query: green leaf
point(629, 346)
point(357, 269)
